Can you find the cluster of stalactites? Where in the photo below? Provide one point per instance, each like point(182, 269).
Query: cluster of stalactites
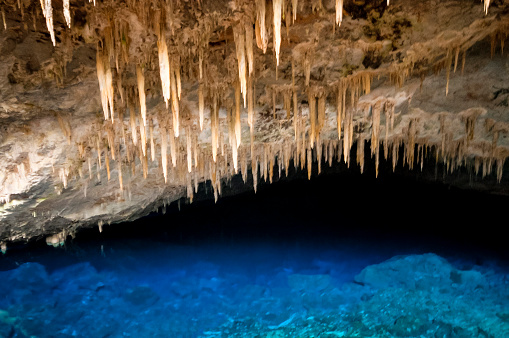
point(306, 140)
point(192, 164)
point(356, 86)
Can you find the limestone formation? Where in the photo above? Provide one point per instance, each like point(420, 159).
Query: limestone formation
point(95, 96)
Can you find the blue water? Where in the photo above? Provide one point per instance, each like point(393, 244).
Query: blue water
point(279, 264)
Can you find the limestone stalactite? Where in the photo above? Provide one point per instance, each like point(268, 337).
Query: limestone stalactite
point(67, 13)
point(141, 92)
point(262, 39)
point(240, 45)
point(339, 11)
point(277, 8)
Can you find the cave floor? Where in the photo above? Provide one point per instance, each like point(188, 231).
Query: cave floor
point(349, 287)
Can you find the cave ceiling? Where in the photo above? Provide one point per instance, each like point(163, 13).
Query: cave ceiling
point(109, 109)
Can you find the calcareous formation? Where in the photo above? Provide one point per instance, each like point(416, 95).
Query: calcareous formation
point(110, 109)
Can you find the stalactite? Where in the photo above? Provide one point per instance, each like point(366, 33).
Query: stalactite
point(254, 170)
point(237, 116)
point(330, 151)
point(152, 145)
point(195, 150)
point(240, 47)
point(189, 189)
point(47, 11)
point(287, 155)
point(309, 162)
point(189, 150)
point(303, 148)
point(312, 117)
point(360, 153)
point(249, 46)
point(339, 109)
point(395, 152)
point(177, 77)
point(375, 125)
point(214, 121)
point(319, 150)
point(261, 29)
point(67, 13)
point(271, 168)
point(164, 156)
point(140, 77)
point(410, 145)
point(277, 6)
point(294, 9)
point(243, 164)
point(103, 83)
point(456, 57)
point(448, 63)
point(175, 106)
point(235, 158)
point(389, 112)
point(348, 134)
point(265, 162)
point(287, 15)
point(164, 66)
point(339, 12)
point(250, 103)
point(486, 6)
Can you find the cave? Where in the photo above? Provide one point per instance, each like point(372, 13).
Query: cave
point(254, 168)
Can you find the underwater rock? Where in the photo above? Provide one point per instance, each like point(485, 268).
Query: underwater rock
point(415, 271)
point(142, 296)
point(77, 276)
point(309, 282)
point(6, 324)
point(29, 281)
